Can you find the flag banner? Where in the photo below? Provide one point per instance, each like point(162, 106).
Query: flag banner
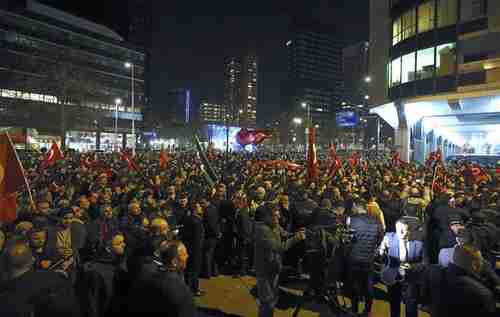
point(246, 137)
point(312, 159)
point(53, 155)
point(202, 153)
point(335, 162)
point(12, 179)
point(11, 172)
point(132, 165)
point(164, 159)
point(277, 164)
point(8, 208)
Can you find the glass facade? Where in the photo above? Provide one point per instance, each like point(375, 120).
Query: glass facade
point(408, 68)
point(426, 17)
point(404, 69)
point(425, 63)
point(396, 72)
point(446, 59)
point(406, 25)
point(472, 9)
point(446, 12)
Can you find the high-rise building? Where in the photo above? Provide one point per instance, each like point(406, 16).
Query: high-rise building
point(179, 108)
point(212, 113)
point(64, 78)
point(355, 71)
point(436, 73)
point(240, 89)
point(314, 78)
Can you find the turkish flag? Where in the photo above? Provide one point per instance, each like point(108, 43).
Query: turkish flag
point(130, 162)
point(312, 159)
point(53, 156)
point(11, 179)
point(8, 208)
point(164, 159)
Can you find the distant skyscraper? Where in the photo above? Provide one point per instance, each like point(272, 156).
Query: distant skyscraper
point(356, 79)
point(240, 89)
point(212, 113)
point(314, 77)
point(179, 106)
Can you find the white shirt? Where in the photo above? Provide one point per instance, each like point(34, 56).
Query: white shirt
point(404, 246)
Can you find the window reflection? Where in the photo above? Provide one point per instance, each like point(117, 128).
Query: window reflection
point(396, 72)
point(425, 63)
point(405, 69)
point(445, 59)
point(408, 68)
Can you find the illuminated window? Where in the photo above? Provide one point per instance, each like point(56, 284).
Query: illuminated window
point(426, 17)
point(396, 72)
point(408, 24)
point(446, 59)
point(425, 63)
point(396, 31)
point(408, 68)
point(447, 12)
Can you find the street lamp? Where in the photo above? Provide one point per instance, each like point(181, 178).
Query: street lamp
point(297, 120)
point(131, 66)
point(367, 97)
point(368, 79)
point(118, 101)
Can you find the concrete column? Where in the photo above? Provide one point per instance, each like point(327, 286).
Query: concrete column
point(98, 140)
point(402, 133)
point(124, 141)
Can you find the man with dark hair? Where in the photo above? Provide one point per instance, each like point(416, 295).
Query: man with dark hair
point(40, 293)
point(211, 221)
point(193, 237)
point(403, 254)
point(164, 291)
point(268, 264)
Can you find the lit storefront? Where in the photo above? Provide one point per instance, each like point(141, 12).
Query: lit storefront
point(111, 141)
point(81, 141)
point(37, 140)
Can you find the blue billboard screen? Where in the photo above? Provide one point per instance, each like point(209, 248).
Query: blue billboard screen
point(347, 119)
point(217, 134)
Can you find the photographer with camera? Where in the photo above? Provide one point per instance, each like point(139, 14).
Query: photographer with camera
point(368, 233)
point(269, 248)
point(402, 257)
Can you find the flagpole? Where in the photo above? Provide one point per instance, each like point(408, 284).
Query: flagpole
point(22, 168)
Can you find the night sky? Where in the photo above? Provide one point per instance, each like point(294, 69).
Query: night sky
point(199, 34)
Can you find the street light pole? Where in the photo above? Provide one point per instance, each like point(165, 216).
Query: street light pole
point(117, 102)
point(131, 66)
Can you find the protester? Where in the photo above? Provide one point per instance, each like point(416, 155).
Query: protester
point(95, 217)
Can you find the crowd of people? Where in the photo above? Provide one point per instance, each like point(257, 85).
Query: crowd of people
point(104, 236)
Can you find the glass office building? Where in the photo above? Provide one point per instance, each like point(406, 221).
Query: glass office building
point(65, 77)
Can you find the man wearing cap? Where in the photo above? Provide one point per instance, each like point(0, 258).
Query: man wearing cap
point(449, 237)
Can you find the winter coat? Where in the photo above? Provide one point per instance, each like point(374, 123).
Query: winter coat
point(368, 235)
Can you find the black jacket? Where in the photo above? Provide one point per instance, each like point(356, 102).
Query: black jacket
point(45, 293)
point(211, 221)
point(368, 235)
point(161, 293)
point(193, 237)
point(464, 295)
